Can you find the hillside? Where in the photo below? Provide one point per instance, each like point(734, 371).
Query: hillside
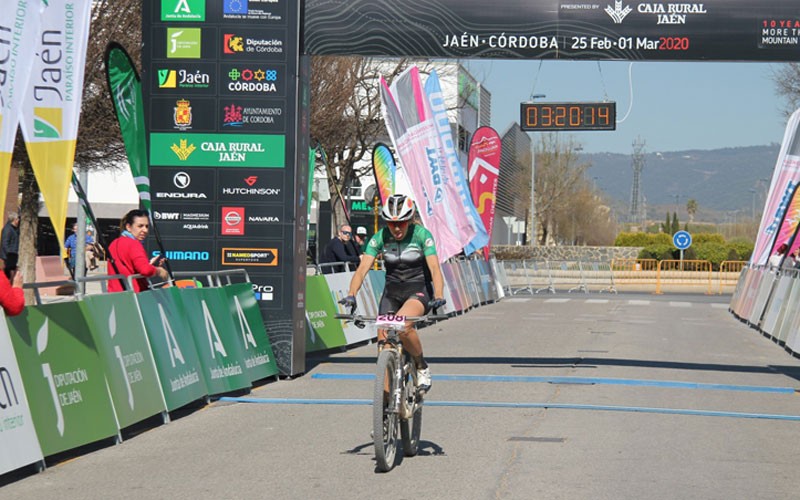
point(720, 180)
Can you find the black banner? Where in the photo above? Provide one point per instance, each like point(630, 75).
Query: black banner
point(746, 30)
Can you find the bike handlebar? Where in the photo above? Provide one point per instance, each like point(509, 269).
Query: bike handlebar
point(373, 319)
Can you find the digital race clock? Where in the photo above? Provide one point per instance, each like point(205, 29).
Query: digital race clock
point(568, 116)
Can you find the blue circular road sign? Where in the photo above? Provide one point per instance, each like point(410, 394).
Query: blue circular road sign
point(682, 240)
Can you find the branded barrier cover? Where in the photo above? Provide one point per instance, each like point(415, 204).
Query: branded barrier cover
point(18, 443)
point(63, 376)
point(174, 351)
point(324, 330)
point(221, 352)
point(249, 327)
point(338, 284)
point(118, 332)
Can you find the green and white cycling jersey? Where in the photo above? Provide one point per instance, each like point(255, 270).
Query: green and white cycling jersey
point(404, 260)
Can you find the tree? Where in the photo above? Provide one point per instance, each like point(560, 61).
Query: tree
point(675, 226)
point(786, 78)
point(666, 226)
point(99, 144)
point(691, 208)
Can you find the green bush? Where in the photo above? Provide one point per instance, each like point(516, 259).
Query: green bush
point(641, 239)
point(740, 249)
point(658, 251)
point(708, 238)
point(713, 252)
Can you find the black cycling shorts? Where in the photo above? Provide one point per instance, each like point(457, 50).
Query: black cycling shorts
point(395, 295)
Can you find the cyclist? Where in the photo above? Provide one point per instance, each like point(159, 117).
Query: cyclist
point(409, 257)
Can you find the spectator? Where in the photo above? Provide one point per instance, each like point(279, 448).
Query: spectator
point(93, 249)
point(9, 248)
point(127, 255)
point(12, 298)
point(361, 239)
point(776, 258)
point(339, 249)
point(69, 246)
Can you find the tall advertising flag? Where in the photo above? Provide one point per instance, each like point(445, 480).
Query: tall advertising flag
point(787, 229)
point(18, 33)
point(411, 126)
point(125, 87)
point(385, 170)
point(452, 165)
point(484, 169)
point(785, 179)
point(51, 108)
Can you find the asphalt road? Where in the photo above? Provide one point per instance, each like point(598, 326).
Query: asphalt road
point(548, 397)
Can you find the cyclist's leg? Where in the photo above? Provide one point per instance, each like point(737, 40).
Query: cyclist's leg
point(411, 342)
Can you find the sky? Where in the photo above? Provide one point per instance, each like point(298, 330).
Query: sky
point(675, 106)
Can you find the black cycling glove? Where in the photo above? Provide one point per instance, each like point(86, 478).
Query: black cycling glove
point(349, 301)
point(436, 303)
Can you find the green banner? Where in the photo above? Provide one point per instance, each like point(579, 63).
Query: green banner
point(218, 150)
point(63, 376)
point(324, 330)
point(126, 96)
point(125, 353)
point(249, 326)
point(170, 336)
point(220, 351)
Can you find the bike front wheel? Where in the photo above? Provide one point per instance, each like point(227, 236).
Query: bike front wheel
point(384, 415)
point(410, 428)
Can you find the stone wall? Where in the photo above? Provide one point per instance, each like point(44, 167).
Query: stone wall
point(596, 254)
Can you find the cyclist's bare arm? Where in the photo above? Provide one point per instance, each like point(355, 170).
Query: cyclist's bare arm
point(436, 276)
point(360, 274)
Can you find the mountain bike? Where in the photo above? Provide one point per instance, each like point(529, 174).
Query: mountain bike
point(397, 402)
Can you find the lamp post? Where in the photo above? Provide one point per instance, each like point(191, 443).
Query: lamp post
point(753, 214)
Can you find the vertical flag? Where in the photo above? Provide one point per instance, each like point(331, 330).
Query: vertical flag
point(785, 179)
point(19, 30)
point(451, 165)
point(787, 229)
point(385, 170)
point(484, 169)
point(411, 126)
point(125, 87)
point(51, 108)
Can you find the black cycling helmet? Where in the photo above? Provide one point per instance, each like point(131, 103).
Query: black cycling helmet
point(398, 208)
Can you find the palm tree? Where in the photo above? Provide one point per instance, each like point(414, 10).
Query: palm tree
point(691, 208)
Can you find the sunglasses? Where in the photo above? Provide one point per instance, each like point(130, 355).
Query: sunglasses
point(348, 233)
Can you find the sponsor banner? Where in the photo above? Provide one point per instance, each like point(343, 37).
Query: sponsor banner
point(250, 43)
point(191, 78)
point(63, 376)
point(183, 114)
point(247, 257)
point(249, 328)
point(219, 348)
point(560, 29)
point(324, 330)
point(232, 221)
point(268, 12)
point(411, 126)
point(172, 11)
point(193, 254)
point(252, 79)
point(51, 110)
point(252, 115)
point(184, 42)
point(218, 150)
point(18, 444)
point(118, 331)
point(251, 185)
point(185, 185)
point(23, 28)
point(267, 288)
point(785, 178)
point(384, 169)
point(177, 362)
point(484, 172)
point(192, 221)
point(252, 220)
point(451, 165)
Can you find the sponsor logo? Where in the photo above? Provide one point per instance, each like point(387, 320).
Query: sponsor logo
point(195, 227)
point(166, 215)
point(182, 216)
point(249, 189)
point(232, 44)
point(263, 218)
point(233, 221)
point(184, 43)
point(252, 79)
point(224, 150)
point(252, 116)
point(264, 293)
point(262, 10)
point(181, 180)
point(618, 13)
point(242, 43)
point(183, 150)
point(177, 255)
point(47, 123)
point(183, 79)
point(183, 10)
point(250, 257)
point(182, 115)
point(251, 180)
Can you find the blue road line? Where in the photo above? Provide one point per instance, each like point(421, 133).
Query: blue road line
point(577, 381)
point(490, 404)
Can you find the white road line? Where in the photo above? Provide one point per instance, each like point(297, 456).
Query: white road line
point(720, 306)
point(639, 321)
point(597, 301)
point(556, 301)
point(638, 302)
point(680, 304)
point(518, 300)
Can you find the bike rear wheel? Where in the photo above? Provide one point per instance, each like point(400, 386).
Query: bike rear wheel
point(384, 416)
point(411, 427)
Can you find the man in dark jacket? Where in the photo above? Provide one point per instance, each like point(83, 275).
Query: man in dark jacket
point(9, 245)
point(339, 249)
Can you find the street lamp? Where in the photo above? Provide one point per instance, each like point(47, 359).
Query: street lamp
point(753, 192)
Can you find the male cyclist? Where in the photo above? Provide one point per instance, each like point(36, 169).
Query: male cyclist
point(409, 257)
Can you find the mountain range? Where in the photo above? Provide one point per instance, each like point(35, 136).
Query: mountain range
point(729, 182)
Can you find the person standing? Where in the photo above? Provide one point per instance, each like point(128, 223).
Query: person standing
point(9, 245)
point(339, 249)
point(127, 255)
point(360, 239)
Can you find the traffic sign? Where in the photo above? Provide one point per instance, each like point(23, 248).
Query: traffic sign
point(682, 240)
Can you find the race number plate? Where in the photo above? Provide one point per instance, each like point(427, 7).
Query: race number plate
point(390, 321)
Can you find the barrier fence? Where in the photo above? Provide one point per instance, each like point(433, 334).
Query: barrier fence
point(82, 368)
